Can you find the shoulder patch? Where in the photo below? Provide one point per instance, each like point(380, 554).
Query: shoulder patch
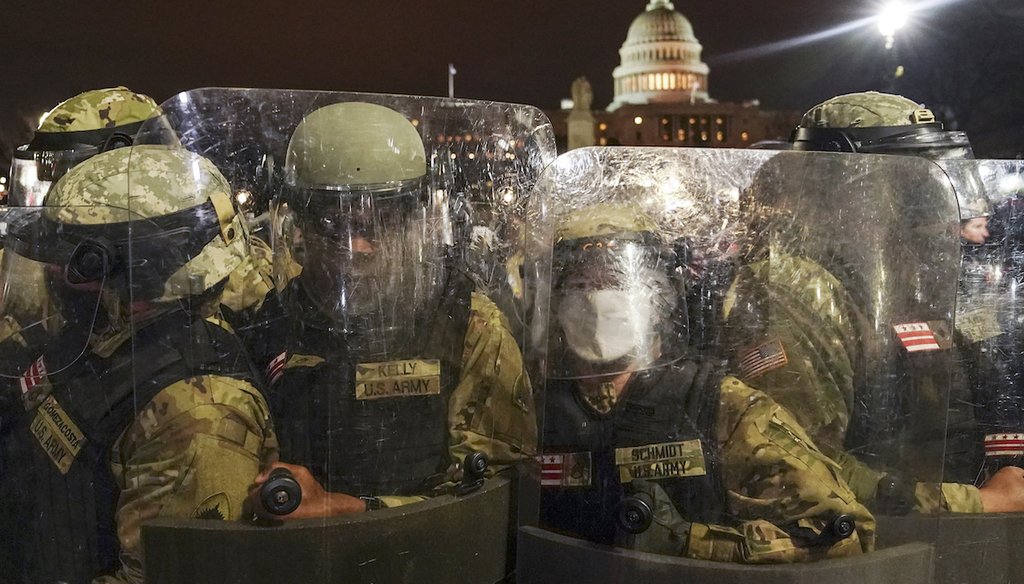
point(275, 368)
point(767, 356)
point(567, 470)
point(916, 337)
point(35, 384)
point(216, 507)
point(1007, 444)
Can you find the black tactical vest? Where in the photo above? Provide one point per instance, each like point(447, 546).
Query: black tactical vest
point(63, 529)
point(362, 428)
point(670, 404)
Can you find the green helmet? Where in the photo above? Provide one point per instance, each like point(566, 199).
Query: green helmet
point(604, 220)
point(879, 123)
point(153, 221)
point(355, 145)
point(360, 216)
point(78, 128)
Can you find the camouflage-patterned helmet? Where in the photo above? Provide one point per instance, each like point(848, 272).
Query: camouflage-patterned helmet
point(157, 220)
point(81, 127)
point(114, 107)
point(610, 240)
point(879, 123)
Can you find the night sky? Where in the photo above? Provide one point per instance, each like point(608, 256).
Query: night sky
point(521, 51)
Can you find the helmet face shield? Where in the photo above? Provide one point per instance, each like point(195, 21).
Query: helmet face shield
point(373, 260)
point(44, 302)
point(34, 172)
point(614, 303)
point(928, 140)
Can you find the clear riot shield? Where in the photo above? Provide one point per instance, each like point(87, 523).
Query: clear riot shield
point(389, 352)
point(972, 546)
point(61, 394)
point(987, 308)
point(714, 315)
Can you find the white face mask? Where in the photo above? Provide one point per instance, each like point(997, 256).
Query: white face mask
point(605, 325)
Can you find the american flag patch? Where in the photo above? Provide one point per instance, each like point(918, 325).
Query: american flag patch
point(1004, 444)
point(565, 470)
point(33, 376)
point(762, 359)
point(275, 368)
point(916, 336)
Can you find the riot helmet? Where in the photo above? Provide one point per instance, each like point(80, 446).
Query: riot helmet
point(878, 123)
point(359, 214)
point(883, 123)
point(150, 224)
point(76, 129)
point(617, 291)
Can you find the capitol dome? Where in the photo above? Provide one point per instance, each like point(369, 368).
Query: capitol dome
point(660, 60)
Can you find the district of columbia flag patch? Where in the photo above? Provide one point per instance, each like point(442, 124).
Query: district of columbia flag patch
point(916, 336)
point(275, 368)
point(565, 470)
point(763, 358)
point(1007, 444)
point(33, 376)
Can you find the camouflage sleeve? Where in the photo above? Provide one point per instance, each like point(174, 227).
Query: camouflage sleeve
point(861, 478)
point(795, 310)
point(780, 488)
point(927, 497)
point(491, 409)
point(192, 451)
point(951, 497)
point(249, 284)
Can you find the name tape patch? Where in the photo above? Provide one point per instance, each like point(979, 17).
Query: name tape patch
point(57, 434)
point(660, 461)
point(405, 378)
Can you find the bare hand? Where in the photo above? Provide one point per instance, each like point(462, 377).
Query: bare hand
point(316, 502)
point(1004, 491)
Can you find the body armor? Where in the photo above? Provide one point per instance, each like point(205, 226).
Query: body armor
point(357, 436)
point(64, 527)
point(676, 403)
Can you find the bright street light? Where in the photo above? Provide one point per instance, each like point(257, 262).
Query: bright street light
point(892, 18)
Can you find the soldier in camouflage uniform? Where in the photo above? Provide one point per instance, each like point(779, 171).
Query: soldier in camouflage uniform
point(822, 320)
point(90, 123)
point(74, 130)
point(145, 405)
point(387, 368)
point(632, 409)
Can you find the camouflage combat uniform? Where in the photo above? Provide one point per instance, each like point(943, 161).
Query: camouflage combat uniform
point(484, 404)
point(155, 411)
point(190, 451)
point(758, 491)
point(816, 324)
